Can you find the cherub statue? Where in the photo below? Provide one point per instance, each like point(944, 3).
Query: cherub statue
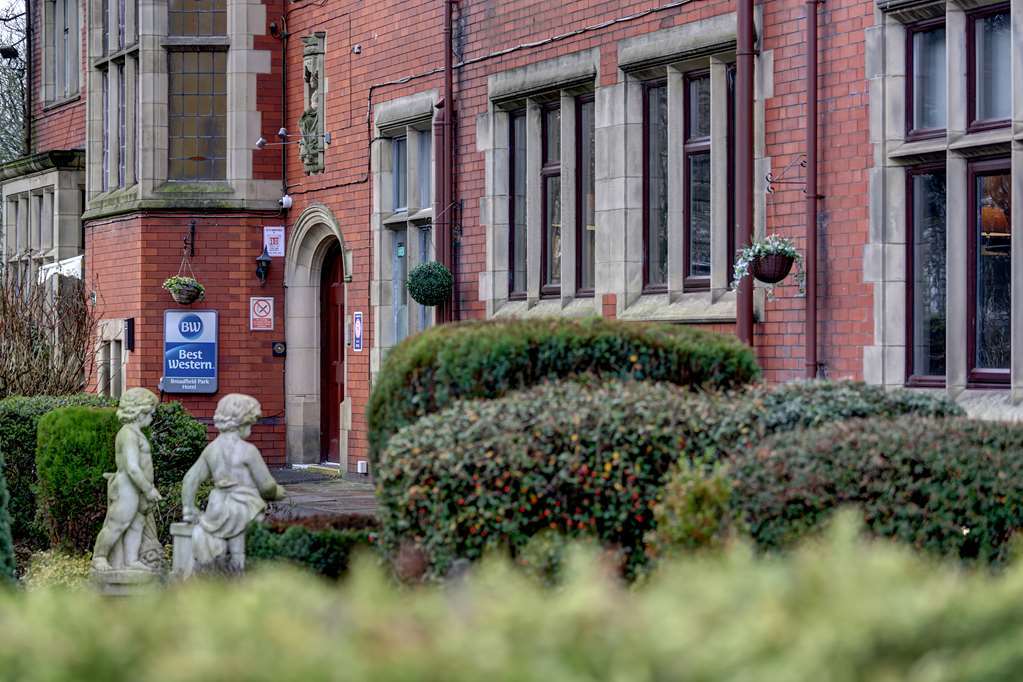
point(128, 539)
point(242, 485)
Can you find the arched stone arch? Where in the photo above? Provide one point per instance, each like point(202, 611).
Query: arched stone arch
point(313, 235)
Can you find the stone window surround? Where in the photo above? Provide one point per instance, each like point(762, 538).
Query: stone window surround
point(245, 20)
point(407, 117)
point(52, 89)
point(885, 264)
point(667, 54)
point(59, 192)
point(111, 358)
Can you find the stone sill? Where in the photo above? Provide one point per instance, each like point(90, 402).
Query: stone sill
point(692, 308)
point(58, 103)
point(548, 307)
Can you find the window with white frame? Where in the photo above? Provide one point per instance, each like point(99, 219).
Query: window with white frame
point(947, 186)
point(406, 219)
point(117, 68)
point(61, 39)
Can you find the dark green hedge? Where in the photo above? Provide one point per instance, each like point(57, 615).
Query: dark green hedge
point(429, 371)
point(952, 487)
point(18, 420)
point(584, 457)
point(6, 543)
point(324, 545)
point(177, 440)
point(75, 448)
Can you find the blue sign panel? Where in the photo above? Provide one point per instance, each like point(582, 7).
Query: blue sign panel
point(189, 351)
point(357, 333)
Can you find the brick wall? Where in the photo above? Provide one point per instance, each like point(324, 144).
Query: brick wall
point(128, 260)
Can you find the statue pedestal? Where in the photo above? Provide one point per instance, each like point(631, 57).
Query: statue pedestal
point(184, 561)
point(121, 582)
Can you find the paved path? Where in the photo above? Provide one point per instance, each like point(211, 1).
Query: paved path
point(325, 495)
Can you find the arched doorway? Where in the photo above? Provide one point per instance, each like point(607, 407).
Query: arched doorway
point(332, 346)
point(317, 407)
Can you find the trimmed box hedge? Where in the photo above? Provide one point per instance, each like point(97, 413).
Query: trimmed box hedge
point(584, 458)
point(19, 418)
point(6, 543)
point(842, 610)
point(431, 370)
point(950, 487)
point(176, 437)
point(322, 544)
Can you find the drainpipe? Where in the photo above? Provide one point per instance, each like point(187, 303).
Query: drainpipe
point(446, 167)
point(30, 84)
point(811, 189)
point(744, 161)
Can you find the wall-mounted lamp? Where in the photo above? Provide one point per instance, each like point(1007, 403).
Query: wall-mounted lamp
point(283, 136)
point(263, 266)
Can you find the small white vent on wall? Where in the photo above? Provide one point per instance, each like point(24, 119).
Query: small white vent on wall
point(362, 466)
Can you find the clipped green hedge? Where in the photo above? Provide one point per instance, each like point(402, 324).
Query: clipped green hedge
point(6, 543)
point(75, 448)
point(18, 420)
point(580, 457)
point(177, 441)
point(322, 545)
point(952, 487)
point(840, 611)
point(431, 370)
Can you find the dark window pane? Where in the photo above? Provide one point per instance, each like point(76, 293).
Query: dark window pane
point(552, 136)
point(196, 117)
point(106, 131)
point(587, 202)
point(518, 204)
point(657, 186)
point(929, 79)
point(929, 270)
point(698, 229)
point(699, 107)
point(197, 17)
point(399, 170)
point(122, 130)
point(993, 68)
point(993, 271)
point(552, 227)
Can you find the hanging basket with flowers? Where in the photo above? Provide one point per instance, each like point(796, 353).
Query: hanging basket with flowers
point(769, 260)
point(184, 290)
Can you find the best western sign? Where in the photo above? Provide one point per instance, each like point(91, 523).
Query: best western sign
point(189, 351)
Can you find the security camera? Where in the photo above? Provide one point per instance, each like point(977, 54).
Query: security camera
point(285, 201)
point(283, 134)
point(261, 143)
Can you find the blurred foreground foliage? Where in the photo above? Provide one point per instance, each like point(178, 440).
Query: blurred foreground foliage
point(837, 608)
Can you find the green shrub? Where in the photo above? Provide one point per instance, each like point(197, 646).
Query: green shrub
point(577, 459)
point(75, 448)
point(721, 423)
point(323, 545)
point(429, 371)
point(176, 437)
point(18, 420)
point(951, 487)
point(844, 611)
point(694, 511)
point(488, 472)
point(6, 543)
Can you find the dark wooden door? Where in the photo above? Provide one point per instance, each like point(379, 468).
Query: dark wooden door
point(332, 389)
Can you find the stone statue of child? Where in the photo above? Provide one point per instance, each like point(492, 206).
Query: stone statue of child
point(242, 485)
point(128, 538)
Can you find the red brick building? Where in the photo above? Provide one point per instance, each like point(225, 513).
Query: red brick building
point(595, 171)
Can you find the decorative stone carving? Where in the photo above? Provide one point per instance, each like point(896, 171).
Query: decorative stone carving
point(128, 551)
point(215, 538)
point(311, 123)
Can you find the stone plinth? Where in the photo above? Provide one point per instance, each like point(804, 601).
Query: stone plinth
point(120, 582)
point(184, 562)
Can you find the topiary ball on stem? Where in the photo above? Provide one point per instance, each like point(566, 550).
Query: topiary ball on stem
point(430, 283)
